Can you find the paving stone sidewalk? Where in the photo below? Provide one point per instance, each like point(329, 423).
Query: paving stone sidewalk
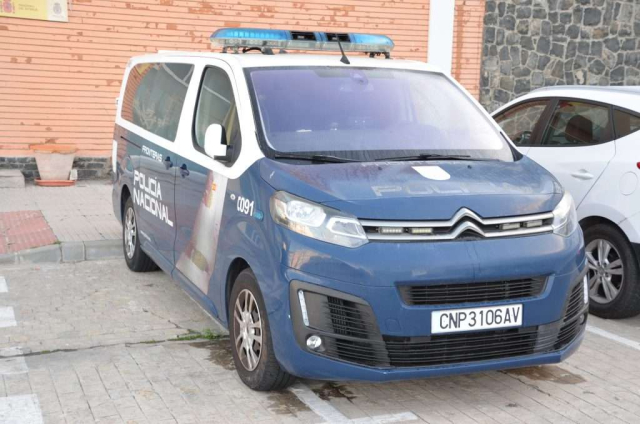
point(96, 303)
point(80, 213)
point(195, 382)
point(93, 342)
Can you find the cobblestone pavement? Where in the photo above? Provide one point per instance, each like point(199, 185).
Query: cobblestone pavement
point(80, 213)
point(78, 306)
point(87, 342)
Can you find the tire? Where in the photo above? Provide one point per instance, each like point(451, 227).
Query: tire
point(262, 372)
point(136, 259)
point(619, 273)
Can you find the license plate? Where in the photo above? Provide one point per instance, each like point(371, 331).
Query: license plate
point(455, 320)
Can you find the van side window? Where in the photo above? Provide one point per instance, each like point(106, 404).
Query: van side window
point(216, 105)
point(520, 121)
point(154, 97)
point(625, 123)
point(578, 124)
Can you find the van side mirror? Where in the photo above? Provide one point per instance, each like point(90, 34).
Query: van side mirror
point(214, 143)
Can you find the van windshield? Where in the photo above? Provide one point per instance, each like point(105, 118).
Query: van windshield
point(369, 114)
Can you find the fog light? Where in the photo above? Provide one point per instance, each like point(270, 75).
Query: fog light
point(314, 342)
point(585, 289)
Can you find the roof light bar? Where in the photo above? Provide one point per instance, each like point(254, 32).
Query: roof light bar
point(241, 38)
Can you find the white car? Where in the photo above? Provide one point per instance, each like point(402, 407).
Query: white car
point(589, 138)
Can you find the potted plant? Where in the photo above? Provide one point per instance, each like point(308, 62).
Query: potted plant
point(54, 163)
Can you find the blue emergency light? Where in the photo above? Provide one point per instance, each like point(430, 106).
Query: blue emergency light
point(267, 39)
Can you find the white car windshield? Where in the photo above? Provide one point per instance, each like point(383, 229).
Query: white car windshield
point(369, 114)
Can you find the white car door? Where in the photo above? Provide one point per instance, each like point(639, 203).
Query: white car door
point(577, 145)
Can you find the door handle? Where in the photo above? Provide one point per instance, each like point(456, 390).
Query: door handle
point(183, 170)
point(167, 162)
point(582, 174)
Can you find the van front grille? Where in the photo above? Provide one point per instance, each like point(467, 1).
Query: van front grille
point(457, 293)
point(458, 348)
point(451, 349)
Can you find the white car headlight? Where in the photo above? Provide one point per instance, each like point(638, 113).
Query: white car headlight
point(565, 218)
point(316, 221)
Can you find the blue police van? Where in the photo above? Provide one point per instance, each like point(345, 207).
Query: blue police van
point(345, 216)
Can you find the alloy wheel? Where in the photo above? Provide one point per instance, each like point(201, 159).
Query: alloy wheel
point(130, 233)
point(606, 271)
point(248, 330)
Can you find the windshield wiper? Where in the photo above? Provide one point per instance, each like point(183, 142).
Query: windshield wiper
point(428, 156)
point(314, 158)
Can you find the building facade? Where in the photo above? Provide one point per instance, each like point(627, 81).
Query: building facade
point(61, 79)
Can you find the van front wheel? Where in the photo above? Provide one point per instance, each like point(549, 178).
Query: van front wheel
point(251, 343)
point(135, 258)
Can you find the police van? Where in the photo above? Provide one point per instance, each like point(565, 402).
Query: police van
point(346, 216)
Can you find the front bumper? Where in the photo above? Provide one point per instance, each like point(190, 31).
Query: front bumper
point(372, 334)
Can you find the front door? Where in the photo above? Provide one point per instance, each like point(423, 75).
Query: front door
point(577, 145)
point(200, 194)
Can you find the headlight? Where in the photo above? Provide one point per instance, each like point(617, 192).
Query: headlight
point(316, 221)
point(565, 218)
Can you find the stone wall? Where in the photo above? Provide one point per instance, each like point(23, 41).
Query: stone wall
point(534, 43)
point(88, 167)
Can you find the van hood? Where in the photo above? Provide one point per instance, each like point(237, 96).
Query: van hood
point(420, 190)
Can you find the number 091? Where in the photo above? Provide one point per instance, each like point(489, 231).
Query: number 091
point(245, 206)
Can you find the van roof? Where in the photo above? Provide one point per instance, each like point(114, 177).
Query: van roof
point(255, 60)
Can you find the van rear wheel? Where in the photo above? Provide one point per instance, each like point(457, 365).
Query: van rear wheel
point(251, 343)
point(136, 259)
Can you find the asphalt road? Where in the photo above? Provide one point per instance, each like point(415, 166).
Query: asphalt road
point(93, 342)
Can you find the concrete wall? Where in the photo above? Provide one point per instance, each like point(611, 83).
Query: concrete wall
point(535, 43)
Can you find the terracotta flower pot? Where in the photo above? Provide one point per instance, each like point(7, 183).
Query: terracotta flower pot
point(54, 160)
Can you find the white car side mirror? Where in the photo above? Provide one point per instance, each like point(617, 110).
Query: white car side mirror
point(214, 143)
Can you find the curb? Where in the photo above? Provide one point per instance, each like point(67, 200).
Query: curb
point(74, 251)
